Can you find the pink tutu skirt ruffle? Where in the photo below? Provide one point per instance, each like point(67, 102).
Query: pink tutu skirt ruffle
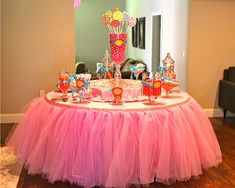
point(115, 148)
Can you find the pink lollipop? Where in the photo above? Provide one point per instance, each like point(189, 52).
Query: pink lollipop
point(131, 22)
point(115, 23)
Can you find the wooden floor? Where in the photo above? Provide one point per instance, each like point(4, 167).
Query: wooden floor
point(222, 176)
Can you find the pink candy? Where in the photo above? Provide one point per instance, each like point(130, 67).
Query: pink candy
point(115, 23)
point(118, 47)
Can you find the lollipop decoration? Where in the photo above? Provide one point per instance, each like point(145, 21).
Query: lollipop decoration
point(168, 75)
point(115, 22)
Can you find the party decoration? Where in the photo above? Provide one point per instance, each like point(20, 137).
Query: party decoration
point(118, 47)
point(117, 15)
point(168, 75)
point(125, 15)
point(115, 9)
point(136, 70)
point(131, 22)
point(83, 90)
point(79, 85)
point(63, 82)
point(104, 69)
point(115, 23)
point(151, 88)
point(117, 95)
point(109, 14)
point(105, 19)
point(73, 85)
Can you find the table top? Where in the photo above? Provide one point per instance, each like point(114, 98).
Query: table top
point(177, 97)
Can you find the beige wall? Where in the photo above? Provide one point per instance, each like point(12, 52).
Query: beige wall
point(0, 55)
point(37, 42)
point(211, 47)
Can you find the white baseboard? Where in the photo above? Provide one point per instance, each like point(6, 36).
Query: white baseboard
point(217, 112)
point(10, 118)
point(15, 118)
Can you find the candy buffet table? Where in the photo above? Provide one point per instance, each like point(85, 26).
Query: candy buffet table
point(116, 145)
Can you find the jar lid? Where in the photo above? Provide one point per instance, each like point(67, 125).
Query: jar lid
point(168, 60)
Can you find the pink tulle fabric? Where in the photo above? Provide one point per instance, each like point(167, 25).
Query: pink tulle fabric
point(115, 148)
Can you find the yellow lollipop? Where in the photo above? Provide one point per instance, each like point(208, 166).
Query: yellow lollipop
point(117, 15)
point(115, 9)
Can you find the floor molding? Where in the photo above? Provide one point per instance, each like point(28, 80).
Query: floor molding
point(11, 118)
point(217, 112)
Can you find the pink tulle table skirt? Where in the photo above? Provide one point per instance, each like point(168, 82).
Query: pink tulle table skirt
point(101, 146)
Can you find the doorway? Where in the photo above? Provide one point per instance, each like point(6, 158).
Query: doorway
point(156, 41)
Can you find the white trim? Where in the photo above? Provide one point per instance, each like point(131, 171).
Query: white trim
point(159, 13)
point(11, 118)
point(217, 112)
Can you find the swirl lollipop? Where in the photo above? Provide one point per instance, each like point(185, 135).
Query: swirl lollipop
point(105, 19)
point(115, 23)
point(131, 22)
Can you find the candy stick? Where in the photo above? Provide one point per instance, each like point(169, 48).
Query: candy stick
point(127, 29)
point(122, 25)
point(113, 30)
point(109, 28)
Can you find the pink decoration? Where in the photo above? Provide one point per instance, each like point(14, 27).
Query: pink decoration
point(77, 3)
point(114, 148)
point(115, 23)
point(132, 22)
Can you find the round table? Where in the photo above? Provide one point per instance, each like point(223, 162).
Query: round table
point(116, 145)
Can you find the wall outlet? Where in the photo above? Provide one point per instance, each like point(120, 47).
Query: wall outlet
point(41, 93)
